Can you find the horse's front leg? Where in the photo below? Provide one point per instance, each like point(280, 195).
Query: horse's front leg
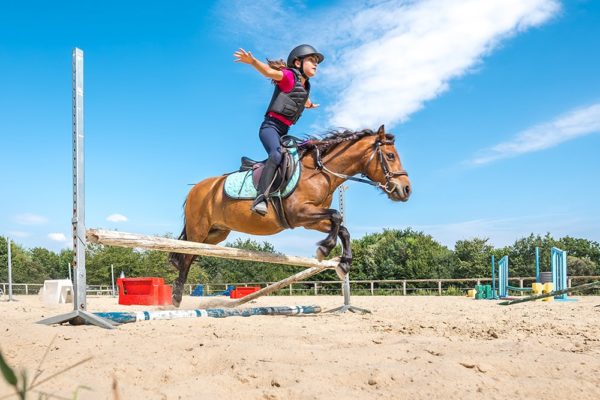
point(323, 220)
point(346, 260)
point(327, 244)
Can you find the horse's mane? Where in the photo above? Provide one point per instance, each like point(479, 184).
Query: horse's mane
point(332, 138)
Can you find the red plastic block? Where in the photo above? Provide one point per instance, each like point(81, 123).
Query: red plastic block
point(243, 291)
point(144, 291)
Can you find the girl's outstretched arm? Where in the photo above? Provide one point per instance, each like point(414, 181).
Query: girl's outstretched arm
point(246, 57)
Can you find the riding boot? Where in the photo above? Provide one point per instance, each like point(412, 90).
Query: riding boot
point(264, 185)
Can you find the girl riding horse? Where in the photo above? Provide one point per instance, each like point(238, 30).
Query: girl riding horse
point(290, 98)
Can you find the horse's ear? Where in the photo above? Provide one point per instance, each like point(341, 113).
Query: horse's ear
point(381, 132)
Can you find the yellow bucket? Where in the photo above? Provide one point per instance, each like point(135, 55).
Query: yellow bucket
point(548, 287)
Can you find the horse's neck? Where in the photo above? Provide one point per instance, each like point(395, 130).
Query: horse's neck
point(346, 159)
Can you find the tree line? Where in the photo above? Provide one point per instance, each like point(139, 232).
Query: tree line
point(391, 254)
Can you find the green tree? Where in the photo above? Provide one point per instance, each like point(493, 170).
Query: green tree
point(47, 263)
point(580, 266)
point(99, 259)
point(213, 270)
point(473, 258)
point(400, 254)
point(583, 249)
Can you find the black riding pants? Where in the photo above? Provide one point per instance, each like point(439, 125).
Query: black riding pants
point(270, 134)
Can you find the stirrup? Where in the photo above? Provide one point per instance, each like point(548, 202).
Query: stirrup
point(260, 205)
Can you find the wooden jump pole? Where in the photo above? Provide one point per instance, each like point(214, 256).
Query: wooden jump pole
point(581, 288)
point(133, 240)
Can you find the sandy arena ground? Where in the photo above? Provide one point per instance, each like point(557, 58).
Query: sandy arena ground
point(408, 348)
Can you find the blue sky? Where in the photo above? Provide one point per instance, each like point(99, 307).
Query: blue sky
point(495, 104)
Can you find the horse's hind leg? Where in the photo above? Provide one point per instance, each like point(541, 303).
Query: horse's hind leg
point(184, 268)
point(194, 233)
point(213, 236)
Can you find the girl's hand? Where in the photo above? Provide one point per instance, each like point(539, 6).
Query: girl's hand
point(243, 56)
point(310, 104)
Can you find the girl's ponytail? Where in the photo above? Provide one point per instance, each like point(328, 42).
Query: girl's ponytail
point(278, 65)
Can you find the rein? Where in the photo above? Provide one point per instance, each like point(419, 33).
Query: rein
point(384, 166)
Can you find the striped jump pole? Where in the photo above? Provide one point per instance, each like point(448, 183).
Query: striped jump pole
point(137, 316)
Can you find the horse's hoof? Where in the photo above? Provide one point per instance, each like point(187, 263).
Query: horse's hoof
point(177, 293)
point(321, 253)
point(176, 302)
point(342, 270)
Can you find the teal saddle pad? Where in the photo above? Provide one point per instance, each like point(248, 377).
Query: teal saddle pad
point(238, 185)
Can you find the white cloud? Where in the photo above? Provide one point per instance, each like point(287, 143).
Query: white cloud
point(30, 219)
point(57, 237)
point(385, 58)
point(19, 234)
point(403, 53)
point(116, 218)
point(576, 123)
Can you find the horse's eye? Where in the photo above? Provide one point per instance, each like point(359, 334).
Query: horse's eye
point(390, 156)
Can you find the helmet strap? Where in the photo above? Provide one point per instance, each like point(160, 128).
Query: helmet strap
point(302, 69)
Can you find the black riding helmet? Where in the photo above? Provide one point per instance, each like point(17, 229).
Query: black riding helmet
point(299, 52)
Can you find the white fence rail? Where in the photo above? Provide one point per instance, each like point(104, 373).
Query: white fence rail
point(404, 287)
point(34, 288)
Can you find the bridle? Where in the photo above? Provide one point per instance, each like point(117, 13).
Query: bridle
point(389, 186)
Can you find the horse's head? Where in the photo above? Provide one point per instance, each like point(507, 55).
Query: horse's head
point(383, 165)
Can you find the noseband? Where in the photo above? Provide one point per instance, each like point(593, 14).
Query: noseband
point(389, 187)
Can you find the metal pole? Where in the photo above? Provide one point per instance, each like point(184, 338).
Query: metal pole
point(70, 275)
point(537, 265)
point(493, 277)
point(79, 315)
point(78, 183)
point(112, 278)
point(10, 292)
point(346, 283)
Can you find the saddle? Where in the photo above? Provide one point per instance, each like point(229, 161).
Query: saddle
point(242, 184)
point(282, 176)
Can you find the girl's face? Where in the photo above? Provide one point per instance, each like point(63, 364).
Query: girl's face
point(310, 65)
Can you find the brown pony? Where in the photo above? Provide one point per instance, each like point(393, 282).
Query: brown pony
point(210, 215)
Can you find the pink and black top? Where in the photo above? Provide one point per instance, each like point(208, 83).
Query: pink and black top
point(289, 97)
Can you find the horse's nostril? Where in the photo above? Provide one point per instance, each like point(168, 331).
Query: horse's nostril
point(407, 191)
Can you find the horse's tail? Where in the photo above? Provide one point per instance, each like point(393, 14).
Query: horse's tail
point(177, 258)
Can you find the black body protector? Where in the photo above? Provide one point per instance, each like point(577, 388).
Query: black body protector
point(290, 105)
